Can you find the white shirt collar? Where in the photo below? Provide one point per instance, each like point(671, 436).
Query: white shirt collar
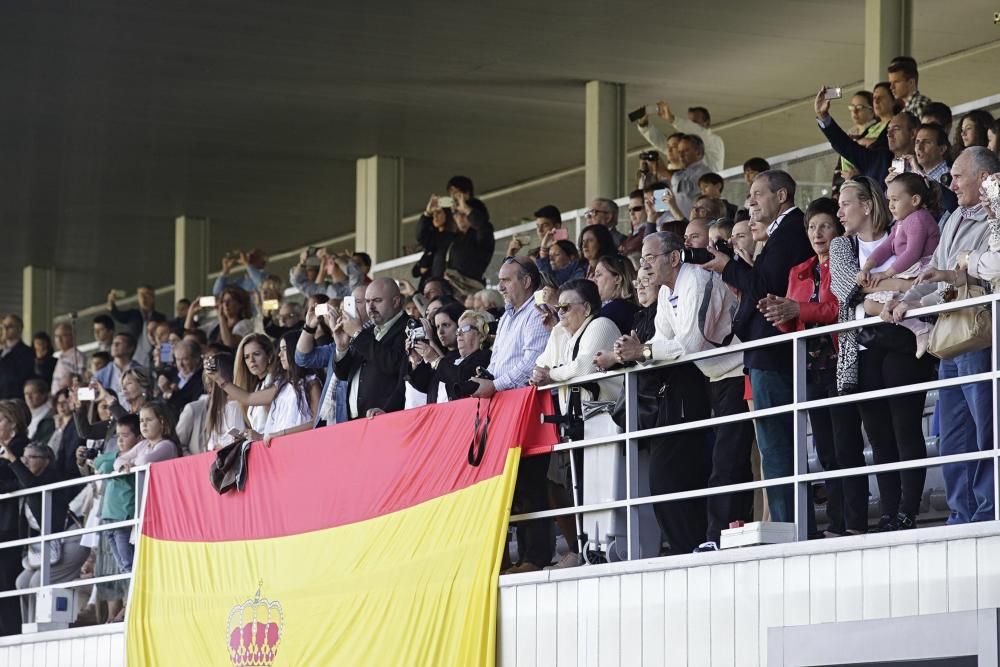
point(777, 221)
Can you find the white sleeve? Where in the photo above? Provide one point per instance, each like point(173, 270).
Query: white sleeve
point(600, 334)
point(550, 355)
point(653, 135)
point(715, 149)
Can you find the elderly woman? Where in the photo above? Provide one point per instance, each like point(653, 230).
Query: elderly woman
point(582, 332)
point(472, 345)
point(614, 275)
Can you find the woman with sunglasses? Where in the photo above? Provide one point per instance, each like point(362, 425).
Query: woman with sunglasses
point(581, 333)
point(472, 340)
point(614, 276)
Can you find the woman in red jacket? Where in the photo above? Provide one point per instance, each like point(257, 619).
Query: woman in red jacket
point(810, 303)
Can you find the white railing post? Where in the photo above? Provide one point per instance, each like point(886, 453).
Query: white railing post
point(995, 386)
point(800, 453)
point(632, 463)
point(45, 522)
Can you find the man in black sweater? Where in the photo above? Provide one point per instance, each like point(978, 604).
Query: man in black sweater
point(377, 354)
point(873, 161)
point(771, 203)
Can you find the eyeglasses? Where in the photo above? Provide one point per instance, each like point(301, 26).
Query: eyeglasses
point(857, 107)
point(466, 328)
point(564, 307)
point(648, 259)
point(642, 282)
point(594, 212)
point(636, 209)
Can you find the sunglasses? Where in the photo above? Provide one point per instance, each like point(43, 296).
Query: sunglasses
point(857, 107)
point(466, 328)
point(636, 209)
point(564, 307)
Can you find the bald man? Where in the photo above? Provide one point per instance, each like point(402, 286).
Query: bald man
point(375, 360)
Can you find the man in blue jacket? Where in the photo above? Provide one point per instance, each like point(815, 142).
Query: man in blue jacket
point(771, 202)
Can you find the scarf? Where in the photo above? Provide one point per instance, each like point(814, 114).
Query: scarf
point(844, 268)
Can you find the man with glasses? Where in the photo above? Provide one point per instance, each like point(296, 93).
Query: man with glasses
point(520, 340)
point(875, 160)
point(694, 313)
point(17, 361)
point(605, 212)
point(639, 222)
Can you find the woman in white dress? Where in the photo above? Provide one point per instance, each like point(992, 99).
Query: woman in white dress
point(223, 416)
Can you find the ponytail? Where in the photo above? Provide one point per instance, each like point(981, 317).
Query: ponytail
point(929, 191)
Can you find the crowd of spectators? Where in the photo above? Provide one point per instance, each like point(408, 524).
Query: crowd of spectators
point(911, 219)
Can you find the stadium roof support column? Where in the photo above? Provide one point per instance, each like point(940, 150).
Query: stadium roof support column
point(605, 140)
point(379, 207)
point(37, 300)
point(888, 33)
point(191, 250)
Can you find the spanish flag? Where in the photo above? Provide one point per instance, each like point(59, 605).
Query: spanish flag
point(368, 543)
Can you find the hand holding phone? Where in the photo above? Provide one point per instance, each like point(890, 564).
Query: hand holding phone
point(350, 307)
point(85, 394)
point(206, 302)
point(445, 202)
point(833, 93)
point(560, 234)
point(322, 310)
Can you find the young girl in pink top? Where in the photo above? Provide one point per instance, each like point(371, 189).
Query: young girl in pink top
point(906, 251)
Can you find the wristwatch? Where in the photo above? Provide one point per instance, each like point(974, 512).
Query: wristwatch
point(647, 352)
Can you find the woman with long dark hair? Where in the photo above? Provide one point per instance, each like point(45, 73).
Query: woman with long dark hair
point(595, 242)
point(222, 414)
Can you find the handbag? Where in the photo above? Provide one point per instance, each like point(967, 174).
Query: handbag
point(651, 407)
point(888, 337)
point(965, 330)
point(229, 467)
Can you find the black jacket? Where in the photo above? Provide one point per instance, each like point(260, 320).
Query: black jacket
point(455, 379)
point(428, 380)
point(190, 393)
point(133, 320)
point(872, 161)
point(435, 244)
point(471, 252)
point(10, 510)
point(15, 368)
point(383, 367)
point(786, 247)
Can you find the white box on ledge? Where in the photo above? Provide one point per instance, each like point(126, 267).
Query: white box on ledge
point(757, 532)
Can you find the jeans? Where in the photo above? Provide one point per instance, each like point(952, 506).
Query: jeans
point(775, 438)
point(967, 426)
point(122, 549)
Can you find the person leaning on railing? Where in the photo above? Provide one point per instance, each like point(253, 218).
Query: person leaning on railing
point(14, 417)
point(836, 430)
point(473, 344)
point(772, 203)
point(582, 332)
point(966, 415)
point(431, 356)
point(614, 276)
point(66, 555)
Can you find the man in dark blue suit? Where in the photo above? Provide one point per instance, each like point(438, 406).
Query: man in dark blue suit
point(771, 203)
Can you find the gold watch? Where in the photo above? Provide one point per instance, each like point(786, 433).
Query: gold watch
point(647, 352)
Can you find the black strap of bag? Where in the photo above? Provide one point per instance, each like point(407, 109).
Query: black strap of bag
point(477, 448)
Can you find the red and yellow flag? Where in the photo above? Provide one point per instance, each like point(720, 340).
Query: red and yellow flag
point(368, 543)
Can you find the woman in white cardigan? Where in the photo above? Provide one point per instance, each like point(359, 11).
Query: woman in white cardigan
point(570, 352)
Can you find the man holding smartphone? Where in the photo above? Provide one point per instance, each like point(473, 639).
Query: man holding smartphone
point(875, 160)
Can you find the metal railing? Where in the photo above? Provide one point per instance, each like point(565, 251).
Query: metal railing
point(47, 535)
point(801, 478)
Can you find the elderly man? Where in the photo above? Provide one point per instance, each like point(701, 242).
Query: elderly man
point(520, 340)
point(17, 361)
point(875, 160)
point(694, 313)
point(966, 411)
point(189, 386)
point(376, 357)
point(772, 202)
point(42, 424)
point(35, 468)
point(70, 360)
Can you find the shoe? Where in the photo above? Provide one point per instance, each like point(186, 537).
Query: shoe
point(887, 524)
point(705, 547)
point(521, 568)
point(906, 521)
point(570, 559)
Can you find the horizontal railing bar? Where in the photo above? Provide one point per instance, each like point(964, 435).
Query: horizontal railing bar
point(76, 481)
point(776, 340)
point(76, 583)
point(927, 462)
point(52, 537)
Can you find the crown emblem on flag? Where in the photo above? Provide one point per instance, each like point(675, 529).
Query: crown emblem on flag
point(254, 631)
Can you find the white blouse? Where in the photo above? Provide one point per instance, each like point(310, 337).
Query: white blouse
point(287, 411)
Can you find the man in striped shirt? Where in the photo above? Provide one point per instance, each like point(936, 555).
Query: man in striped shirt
point(520, 340)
